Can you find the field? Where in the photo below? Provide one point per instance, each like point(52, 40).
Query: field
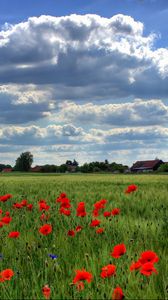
point(141, 225)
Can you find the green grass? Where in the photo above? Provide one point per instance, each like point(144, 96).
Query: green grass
point(142, 225)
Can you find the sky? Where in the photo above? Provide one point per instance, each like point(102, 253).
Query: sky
point(84, 80)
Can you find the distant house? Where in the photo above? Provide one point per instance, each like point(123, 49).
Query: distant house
point(71, 166)
point(146, 166)
point(7, 170)
point(36, 169)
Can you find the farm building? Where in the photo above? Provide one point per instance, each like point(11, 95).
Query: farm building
point(146, 166)
point(36, 169)
point(7, 170)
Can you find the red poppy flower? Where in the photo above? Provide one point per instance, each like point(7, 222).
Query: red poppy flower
point(131, 188)
point(65, 203)
point(1, 211)
point(17, 205)
point(42, 201)
point(78, 228)
point(118, 250)
point(115, 211)
point(23, 202)
point(1, 278)
point(45, 229)
point(43, 205)
point(107, 214)
point(58, 199)
point(147, 269)
point(80, 211)
point(7, 274)
point(71, 233)
point(64, 211)
point(95, 223)
point(82, 275)
point(63, 195)
point(7, 214)
point(4, 198)
point(117, 294)
point(6, 220)
point(100, 230)
point(100, 204)
point(95, 213)
point(103, 201)
point(108, 271)
point(29, 206)
point(135, 266)
point(14, 234)
point(148, 256)
point(1, 224)
point(46, 292)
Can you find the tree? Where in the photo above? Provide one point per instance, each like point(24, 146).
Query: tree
point(69, 163)
point(49, 168)
point(84, 168)
point(75, 163)
point(24, 162)
point(63, 168)
point(106, 161)
point(163, 168)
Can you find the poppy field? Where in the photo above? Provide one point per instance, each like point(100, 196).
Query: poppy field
point(83, 237)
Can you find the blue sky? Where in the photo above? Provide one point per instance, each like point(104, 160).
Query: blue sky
point(83, 79)
point(154, 13)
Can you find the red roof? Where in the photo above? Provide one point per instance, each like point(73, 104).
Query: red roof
point(36, 169)
point(7, 170)
point(147, 164)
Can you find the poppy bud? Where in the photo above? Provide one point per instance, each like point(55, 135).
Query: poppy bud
point(46, 292)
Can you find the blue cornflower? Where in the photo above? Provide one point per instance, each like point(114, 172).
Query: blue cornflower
point(53, 256)
point(1, 256)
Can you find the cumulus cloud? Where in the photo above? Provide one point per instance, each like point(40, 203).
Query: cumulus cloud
point(52, 135)
point(22, 104)
point(49, 66)
point(70, 134)
point(105, 57)
point(149, 134)
point(137, 113)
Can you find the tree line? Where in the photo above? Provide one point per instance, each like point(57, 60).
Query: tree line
point(25, 160)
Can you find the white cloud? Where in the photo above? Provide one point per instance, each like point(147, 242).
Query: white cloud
point(70, 134)
point(56, 144)
point(47, 60)
point(137, 113)
point(149, 134)
point(23, 104)
point(83, 55)
point(52, 135)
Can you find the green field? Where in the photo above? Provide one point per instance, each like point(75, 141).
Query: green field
point(141, 225)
